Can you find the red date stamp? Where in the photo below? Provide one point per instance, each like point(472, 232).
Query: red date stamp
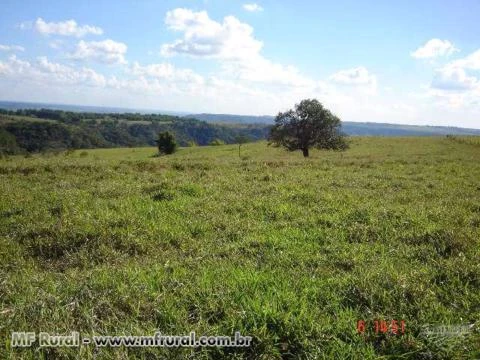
point(394, 327)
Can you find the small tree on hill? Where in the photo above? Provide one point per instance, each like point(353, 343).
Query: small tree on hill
point(240, 140)
point(308, 125)
point(166, 143)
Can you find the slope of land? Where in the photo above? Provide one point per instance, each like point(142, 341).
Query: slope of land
point(290, 251)
point(40, 130)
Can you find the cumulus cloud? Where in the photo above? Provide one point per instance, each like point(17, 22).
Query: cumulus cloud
point(64, 28)
point(152, 79)
point(456, 84)
point(106, 51)
point(204, 37)
point(245, 81)
point(252, 7)
point(11, 48)
point(434, 48)
point(453, 78)
point(15, 66)
point(47, 72)
point(260, 70)
point(233, 44)
point(68, 75)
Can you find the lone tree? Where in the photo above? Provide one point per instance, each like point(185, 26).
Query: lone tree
point(240, 140)
point(308, 125)
point(166, 143)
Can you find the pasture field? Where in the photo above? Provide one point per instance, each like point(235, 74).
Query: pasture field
point(291, 251)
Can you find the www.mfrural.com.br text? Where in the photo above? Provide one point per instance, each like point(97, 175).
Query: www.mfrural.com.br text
point(74, 339)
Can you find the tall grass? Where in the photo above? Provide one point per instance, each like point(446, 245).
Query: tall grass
point(290, 251)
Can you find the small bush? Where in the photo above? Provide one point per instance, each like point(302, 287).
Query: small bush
point(166, 143)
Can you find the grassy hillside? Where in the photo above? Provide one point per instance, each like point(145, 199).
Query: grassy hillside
point(291, 251)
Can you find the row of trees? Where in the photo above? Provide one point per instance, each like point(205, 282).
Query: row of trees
point(32, 131)
point(74, 117)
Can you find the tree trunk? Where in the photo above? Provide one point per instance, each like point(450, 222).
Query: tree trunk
point(305, 152)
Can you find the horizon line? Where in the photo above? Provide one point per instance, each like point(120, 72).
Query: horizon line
point(186, 113)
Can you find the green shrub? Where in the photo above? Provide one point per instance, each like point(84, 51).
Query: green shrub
point(166, 143)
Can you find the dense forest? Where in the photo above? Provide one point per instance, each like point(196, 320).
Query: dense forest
point(35, 130)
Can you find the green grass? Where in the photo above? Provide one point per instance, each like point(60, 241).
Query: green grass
point(472, 140)
point(290, 251)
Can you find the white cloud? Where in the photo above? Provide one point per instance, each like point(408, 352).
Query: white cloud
point(260, 70)
point(3, 68)
point(434, 48)
point(358, 77)
point(461, 101)
point(243, 80)
point(166, 71)
point(233, 44)
point(68, 75)
point(15, 66)
point(471, 62)
point(454, 79)
point(11, 48)
point(64, 28)
point(353, 76)
point(203, 37)
point(252, 7)
point(152, 79)
point(46, 72)
point(106, 51)
point(165, 86)
point(456, 85)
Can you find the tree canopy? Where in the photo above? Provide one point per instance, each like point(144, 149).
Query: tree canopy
point(308, 125)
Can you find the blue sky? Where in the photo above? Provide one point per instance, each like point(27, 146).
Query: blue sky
point(413, 62)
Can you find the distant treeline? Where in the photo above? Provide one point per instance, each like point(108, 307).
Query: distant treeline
point(349, 127)
point(29, 130)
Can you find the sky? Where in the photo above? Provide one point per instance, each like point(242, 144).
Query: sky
point(407, 62)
